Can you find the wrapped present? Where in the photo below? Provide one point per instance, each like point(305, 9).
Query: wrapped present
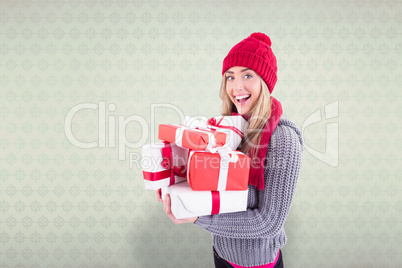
point(186, 137)
point(221, 131)
point(163, 164)
point(234, 126)
point(220, 171)
point(187, 203)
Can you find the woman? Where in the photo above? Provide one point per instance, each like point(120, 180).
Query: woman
point(253, 238)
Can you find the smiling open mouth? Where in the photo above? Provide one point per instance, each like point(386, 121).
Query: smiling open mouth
point(242, 99)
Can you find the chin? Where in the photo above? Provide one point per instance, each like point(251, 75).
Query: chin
point(243, 111)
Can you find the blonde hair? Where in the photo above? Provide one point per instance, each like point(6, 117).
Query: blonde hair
point(260, 114)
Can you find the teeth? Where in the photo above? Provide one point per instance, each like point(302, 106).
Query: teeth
point(242, 97)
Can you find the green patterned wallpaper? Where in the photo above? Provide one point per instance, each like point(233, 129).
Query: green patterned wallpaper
point(84, 83)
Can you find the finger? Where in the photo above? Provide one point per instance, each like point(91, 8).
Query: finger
point(164, 204)
point(167, 203)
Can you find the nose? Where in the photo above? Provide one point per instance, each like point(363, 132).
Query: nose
point(238, 85)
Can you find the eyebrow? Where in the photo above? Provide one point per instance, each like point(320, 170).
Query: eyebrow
point(240, 71)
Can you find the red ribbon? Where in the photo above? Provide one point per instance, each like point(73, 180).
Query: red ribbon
point(212, 122)
point(167, 163)
point(216, 202)
point(156, 176)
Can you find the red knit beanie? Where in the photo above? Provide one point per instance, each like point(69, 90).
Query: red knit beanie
point(255, 53)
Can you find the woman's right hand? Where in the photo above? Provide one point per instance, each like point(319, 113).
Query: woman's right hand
point(168, 210)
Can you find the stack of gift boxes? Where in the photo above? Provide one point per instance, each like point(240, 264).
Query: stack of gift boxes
point(198, 165)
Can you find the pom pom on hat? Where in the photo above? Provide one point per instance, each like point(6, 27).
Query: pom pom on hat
point(255, 53)
point(263, 37)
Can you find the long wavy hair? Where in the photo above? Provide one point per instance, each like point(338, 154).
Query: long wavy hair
point(259, 116)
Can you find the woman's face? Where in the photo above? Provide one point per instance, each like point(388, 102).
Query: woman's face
point(243, 86)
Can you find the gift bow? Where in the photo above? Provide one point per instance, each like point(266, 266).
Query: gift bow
point(194, 123)
point(210, 124)
point(167, 162)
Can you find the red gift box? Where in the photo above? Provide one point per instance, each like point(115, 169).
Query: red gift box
point(221, 171)
point(195, 139)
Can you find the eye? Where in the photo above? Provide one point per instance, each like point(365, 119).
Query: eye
point(229, 78)
point(248, 76)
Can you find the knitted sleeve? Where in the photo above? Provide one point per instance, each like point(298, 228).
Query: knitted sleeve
point(281, 173)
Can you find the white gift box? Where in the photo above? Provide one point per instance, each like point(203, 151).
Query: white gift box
point(234, 127)
point(156, 174)
point(187, 203)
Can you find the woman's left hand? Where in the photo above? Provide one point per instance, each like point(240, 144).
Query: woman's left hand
point(167, 209)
